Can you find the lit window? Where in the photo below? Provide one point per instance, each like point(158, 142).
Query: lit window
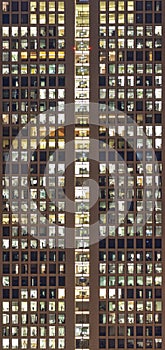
point(61, 6)
point(33, 55)
point(42, 55)
point(102, 18)
point(52, 55)
point(60, 18)
point(42, 18)
point(42, 6)
point(130, 6)
point(112, 5)
point(112, 18)
point(121, 5)
point(102, 5)
point(51, 18)
point(33, 6)
point(51, 6)
point(33, 18)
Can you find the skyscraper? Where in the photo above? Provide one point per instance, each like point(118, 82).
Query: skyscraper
point(82, 174)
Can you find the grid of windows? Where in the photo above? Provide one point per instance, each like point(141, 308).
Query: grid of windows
point(33, 65)
point(82, 173)
point(130, 84)
point(33, 68)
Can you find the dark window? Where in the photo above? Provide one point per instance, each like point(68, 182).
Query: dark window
point(139, 243)
point(42, 156)
point(102, 243)
point(130, 156)
point(15, 293)
point(52, 268)
point(24, 81)
point(15, 281)
point(24, 19)
point(34, 268)
point(158, 155)
point(139, 56)
point(148, 6)
point(120, 156)
point(158, 18)
point(52, 81)
point(14, 6)
point(102, 343)
point(158, 118)
point(130, 293)
point(102, 331)
point(121, 343)
point(6, 93)
point(24, 281)
point(61, 281)
point(111, 243)
point(52, 281)
point(102, 81)
point(15, 131)
point(14, 19)
point(139, 331)
point(33, 256)
point(6, 131)
point(139, 5)
point(139, 18)
point(61, 81)
point(6, 231)
point(158, 293)
point(42, 168)
point(15, 256)
point(6, 268)
point(158, 331)
point(158, 55)
point(6, 293)
point(24, 6)
point(158, 243)
point(139, 105)
point(148, 243)
point(130, 243)
point(148, 18)
point(130, 56)
point(5, 19)
point(111, 343)
point(120, 243)
point(5, 81)
point(42, 281)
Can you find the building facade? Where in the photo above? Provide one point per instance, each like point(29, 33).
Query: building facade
point(82, 174)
